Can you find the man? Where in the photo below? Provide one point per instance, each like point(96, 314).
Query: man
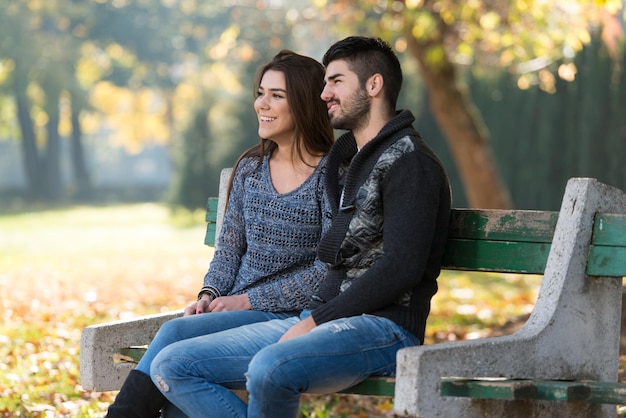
point(391, 202)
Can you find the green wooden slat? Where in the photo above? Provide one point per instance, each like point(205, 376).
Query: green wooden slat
point(505, 225)
point(512, 389)
point(375, 386)
point(500, 256)
point(609, 229)
point(134, 353)
point(606, 261)
point(552, 390)
point(557, 390)
point(211, 218)
point(211, 209)
point(487, 388)
point(209, 237)
point(607, 392)
point(607, 254)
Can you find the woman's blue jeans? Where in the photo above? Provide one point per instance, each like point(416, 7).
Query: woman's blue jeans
point(191, 326)
point(196, 374)
point(179, 329)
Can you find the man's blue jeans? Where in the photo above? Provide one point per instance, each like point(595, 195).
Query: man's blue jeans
point(196, 374)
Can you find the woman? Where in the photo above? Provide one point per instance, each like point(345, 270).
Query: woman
point(264, 266)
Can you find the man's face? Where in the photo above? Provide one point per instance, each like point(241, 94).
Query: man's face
point(348, 103)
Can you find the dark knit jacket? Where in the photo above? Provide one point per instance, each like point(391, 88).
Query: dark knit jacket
point(388, 233)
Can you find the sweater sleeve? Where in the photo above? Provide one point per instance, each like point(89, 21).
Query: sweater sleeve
point(410, 194)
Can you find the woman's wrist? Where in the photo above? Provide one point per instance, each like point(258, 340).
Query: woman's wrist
point(212, 292)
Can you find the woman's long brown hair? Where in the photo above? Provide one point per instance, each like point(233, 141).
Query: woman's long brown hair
point(304, 79)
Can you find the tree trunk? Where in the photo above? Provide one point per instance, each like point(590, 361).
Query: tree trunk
point(79, 166)
point(462, 127)
point(30, 156)
point(52, 163)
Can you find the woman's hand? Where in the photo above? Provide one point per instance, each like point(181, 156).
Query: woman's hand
point(223, 303)
point(198, 307)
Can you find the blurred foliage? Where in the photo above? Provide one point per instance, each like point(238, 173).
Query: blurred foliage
point(61, 270)
point(521, 36)
point(547, 134)
point(449, 39)
point(132, 72)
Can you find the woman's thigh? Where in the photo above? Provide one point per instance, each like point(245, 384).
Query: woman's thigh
point(186, 327)
point(220, 357)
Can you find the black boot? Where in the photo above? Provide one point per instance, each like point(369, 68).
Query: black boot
point(138, 398)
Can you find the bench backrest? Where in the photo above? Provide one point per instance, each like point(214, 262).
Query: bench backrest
point(215, 208)
point(507, 241)
point(519, 241)
point(499, 240)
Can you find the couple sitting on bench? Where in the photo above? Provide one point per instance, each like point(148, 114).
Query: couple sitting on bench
point(328, 255)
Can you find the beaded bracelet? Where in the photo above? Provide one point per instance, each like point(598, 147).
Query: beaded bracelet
point(209, 290)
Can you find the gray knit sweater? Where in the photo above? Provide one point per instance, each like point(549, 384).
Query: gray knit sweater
point(268, 242)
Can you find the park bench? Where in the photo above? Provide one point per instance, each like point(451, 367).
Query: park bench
point(562, 362)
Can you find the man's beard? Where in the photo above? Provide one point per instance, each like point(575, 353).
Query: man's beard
point(354, 112)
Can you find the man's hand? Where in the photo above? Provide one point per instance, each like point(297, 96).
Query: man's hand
point(301, 328)
point(223, 303)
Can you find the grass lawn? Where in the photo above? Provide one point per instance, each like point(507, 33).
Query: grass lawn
point(61, 270)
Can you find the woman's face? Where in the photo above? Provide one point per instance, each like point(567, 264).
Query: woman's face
point(272, 107)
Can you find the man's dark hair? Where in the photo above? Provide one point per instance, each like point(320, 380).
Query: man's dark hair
point(366, 57)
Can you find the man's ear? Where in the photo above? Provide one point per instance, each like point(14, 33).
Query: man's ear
point(374, 85)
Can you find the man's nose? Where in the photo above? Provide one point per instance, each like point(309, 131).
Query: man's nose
point(325, 95)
